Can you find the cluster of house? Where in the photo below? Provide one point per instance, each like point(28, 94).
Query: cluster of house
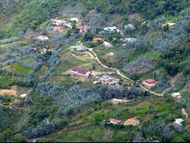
point(107, 80)
point(98, 39)
point(129, 122)
point(62, 24)
point(100, 77)
point(149, 83)
point(79, 48)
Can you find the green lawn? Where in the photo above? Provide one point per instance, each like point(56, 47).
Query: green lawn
point(5, 81)
point(18, 69)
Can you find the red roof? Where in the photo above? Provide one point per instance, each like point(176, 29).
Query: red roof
point(80, 70)
point(133, 120)
point(150, 81)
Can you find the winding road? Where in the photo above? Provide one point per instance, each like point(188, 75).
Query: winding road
point(118, 72)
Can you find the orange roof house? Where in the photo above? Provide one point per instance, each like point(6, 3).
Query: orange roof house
point(95, 39)
point(131, 122)
point(149, 83)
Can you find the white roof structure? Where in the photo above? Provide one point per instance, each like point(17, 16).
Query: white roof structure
point(23, 95)
point(74, 19)
point(130, 40)
point(107, 44)
point(130, 26)
point(171, 24)
point(107, 78)
point(80, 47)
point(176, 94)
point(179, 121)
point(111, 29)
point(43, 38)
point(111, 54)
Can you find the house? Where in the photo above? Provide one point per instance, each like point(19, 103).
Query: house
point(176, 95)
point(58, 22)
point(111, 54)
point(130, 40)
point(129, 28)
point(149, 83)
point(172, 25)
point(79, 48)
point(42, 38)
point(59, 28)
point(80, 71)
point(83, 28)
point(179, 121)
point(135, 17)
point(132, 122)
point(113, 121)
point(74, 19)
point(107, 44)
point(111, 29)
point(96, 39)
point(108, 80)
point(23, 95)
point(119, 101)
point(68, 25)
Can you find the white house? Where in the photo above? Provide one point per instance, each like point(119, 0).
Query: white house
point(130, 40)
point(42, 38)
point(107, 44)
point(74, 19)
point(111, 29)
point(129, 27)
point(58, 22)
point(172, 25)
point(176, 95)
point(106, 79)
point(179, 121)
point(23, 95)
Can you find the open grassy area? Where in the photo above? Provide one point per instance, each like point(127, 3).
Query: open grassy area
point(16, 43)
point(18, 69)
point(5, 81)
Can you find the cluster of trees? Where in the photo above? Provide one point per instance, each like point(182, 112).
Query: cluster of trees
point(75, 96)
point(154, 131)
point(174, 36)
point(149, 9)
point(45, 129)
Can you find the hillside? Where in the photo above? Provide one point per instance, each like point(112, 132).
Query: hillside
point(93, 70)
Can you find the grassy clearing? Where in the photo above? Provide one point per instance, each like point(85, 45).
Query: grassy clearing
point(153, 55)
point(16, 43)
point(18, 69)
point(5, 81)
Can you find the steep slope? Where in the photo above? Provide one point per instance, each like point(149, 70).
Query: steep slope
point(58, 74)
